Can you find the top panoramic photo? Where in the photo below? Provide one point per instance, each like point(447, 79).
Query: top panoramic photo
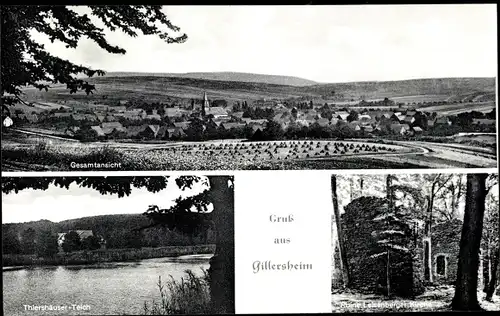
point(126, 88)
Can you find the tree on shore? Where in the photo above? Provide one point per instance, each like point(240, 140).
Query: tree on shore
point(25, 62)
point(72, 242)
point(90, 243)
point(46, 245)
point(28, 238)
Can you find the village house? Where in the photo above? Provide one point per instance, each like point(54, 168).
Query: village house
point(342, 115)
point(323, 122)
point(401, 129)
point(442, 121)
point(302, 122)
point(228, 126)
point(153, 116)
point(182, 125)
point(145, 131)
point(109, 127)
point(256, 127)
point(280, 116)
point(174, 112)
point(217, 112)
point(368, 129)
point(257, 121)
point(101, 117)
point(118, 108)
point(99, 131)
point(82, 234)
point(409, 120)
point(237, 115)
point(418, 130)
point(176, 132)
point(162, 132)
point(382, 115)
point(355, 126)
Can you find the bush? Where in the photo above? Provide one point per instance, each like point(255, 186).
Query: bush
point(190, 295)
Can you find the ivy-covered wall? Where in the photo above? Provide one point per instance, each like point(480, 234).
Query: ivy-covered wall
point(367, 271)
point(446, 242)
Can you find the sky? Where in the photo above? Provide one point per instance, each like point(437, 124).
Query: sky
point(320, 43)
point(58, 204)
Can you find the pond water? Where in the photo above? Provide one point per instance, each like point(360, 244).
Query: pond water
point(96, 289)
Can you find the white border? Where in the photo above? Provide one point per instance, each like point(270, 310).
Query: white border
point(239, 172)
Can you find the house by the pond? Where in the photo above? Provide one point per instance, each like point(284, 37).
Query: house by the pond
point(82, 234)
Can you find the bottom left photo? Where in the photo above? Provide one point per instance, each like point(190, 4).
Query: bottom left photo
point(132, 245)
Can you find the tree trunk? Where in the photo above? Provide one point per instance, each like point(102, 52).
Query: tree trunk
point(351, 190)
point(487, 262)
point(468, 261)
point(494, 277)
point(428, 233)
point(340, 234)
point(221, 269)
point(388, 273)
point(388, 190)
point(454, 203)
point(494, 272)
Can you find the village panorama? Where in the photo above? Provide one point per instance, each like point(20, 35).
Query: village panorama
point(238, 121)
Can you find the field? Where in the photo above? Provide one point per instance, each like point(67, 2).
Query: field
point(167, 88)
point(32, 151)
point(454, 109)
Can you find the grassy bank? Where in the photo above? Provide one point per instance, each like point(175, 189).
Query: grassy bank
point(110, 255)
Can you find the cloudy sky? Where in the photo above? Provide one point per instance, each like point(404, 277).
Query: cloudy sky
point(57, 204)
point(321, 43)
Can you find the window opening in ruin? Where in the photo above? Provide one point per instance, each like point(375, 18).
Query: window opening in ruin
point(441, 265)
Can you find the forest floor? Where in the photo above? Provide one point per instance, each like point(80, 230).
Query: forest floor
point(435, 299)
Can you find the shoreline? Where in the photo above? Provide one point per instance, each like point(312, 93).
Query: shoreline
point(18, 262)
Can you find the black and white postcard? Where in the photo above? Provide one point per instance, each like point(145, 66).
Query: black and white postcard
point(239, 159)
point(200, 88)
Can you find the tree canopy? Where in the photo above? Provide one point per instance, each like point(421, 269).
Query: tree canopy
point(26, 62)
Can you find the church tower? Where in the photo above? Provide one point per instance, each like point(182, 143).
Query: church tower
point(205, 106)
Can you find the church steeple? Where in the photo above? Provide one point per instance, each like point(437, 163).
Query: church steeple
point(206, 105)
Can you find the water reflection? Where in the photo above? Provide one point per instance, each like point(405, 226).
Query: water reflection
point(109, 288)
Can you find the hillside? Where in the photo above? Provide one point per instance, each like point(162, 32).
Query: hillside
point(117, 230)
point(99, 223)
point(225, 76)
point(157, 88)
point(414, 87)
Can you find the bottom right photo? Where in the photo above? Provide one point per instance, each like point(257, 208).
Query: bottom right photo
point(415, 242)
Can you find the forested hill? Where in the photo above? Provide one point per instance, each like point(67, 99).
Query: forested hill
point(117, 230)
point(98, 223)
